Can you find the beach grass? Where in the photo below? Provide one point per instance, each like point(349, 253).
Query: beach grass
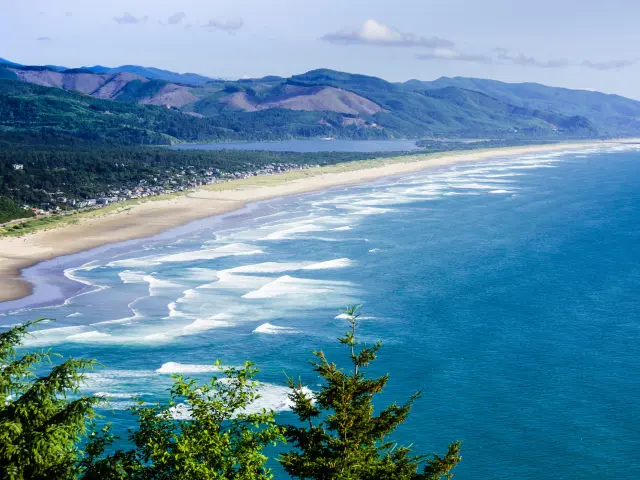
point(33, 225)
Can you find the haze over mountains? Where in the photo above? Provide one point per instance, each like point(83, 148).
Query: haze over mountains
point(319, 103)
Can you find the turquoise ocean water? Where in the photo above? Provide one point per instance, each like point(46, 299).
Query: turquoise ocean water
point(507, 289)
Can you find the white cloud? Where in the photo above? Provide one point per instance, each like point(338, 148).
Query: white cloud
point(375, 33)
point(610, 64)
point(226, 24)
point(502, 56)
point(451, 54)
point(176, 18)
point(44, 39)
point(129, 19)
point(526, 61)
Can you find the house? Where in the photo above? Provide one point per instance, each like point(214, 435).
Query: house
point(18, 166)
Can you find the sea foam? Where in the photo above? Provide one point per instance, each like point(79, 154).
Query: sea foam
point(287, 233)
point(174, 367)
point(204, 324)
point(211, 253)
point(128, 276)
point(89, 337)
point(272, 397)
point(108, 395)
point(287, 285)
point(270, 329)
point(331, 264)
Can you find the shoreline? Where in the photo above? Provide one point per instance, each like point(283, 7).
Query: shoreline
point(152, 217)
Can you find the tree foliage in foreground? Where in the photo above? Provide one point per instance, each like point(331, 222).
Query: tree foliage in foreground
point(206, 432)
point(40, 428)
point(341, 438)
point(209, 431)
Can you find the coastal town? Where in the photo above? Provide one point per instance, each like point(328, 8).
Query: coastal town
point(178, 180)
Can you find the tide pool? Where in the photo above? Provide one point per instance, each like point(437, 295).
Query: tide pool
point(507, 289)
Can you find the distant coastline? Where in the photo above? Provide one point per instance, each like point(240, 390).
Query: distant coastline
point(153, 217)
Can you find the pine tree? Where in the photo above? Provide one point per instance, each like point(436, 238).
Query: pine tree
point(40, 427)
point(206, 432)
point(340, 438)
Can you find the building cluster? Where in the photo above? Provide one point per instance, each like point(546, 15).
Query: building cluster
point(177, 181)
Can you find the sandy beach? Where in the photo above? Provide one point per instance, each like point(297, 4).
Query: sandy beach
point(152, 217)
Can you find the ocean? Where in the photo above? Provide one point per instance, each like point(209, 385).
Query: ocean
point(506, 289)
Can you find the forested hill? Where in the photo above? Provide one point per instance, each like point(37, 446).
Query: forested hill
point(606, 110)
point(36, 115)
point(47, 104)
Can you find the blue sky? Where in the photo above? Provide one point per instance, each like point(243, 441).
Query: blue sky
point(587, 44)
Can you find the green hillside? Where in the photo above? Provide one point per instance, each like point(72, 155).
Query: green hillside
point(153, 74)
point(43, 115)
point(6, 74)
point(32, 114)
point(613, 114)
point(319, 103)
point(461, 110)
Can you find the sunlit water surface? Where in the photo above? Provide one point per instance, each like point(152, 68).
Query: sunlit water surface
point(507, 289)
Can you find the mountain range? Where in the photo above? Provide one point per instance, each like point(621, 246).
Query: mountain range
point(318, 103)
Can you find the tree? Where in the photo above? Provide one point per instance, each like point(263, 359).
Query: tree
point(40, 427)
point(340, 438)
point(10, 210)
point(206, 432)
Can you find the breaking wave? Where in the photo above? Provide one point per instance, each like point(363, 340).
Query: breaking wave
point(272, 397)
point(270, 329)
point(287, 285)
point(174, 367)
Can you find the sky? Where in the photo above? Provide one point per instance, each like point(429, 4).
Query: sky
point(586, 44)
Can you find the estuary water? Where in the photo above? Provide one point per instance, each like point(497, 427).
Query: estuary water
point(307, 146)
point(507, 289)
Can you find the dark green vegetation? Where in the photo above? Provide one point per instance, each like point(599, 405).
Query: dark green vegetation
point(35, 115)
point(147, 72)
point(433, 110)
point(340, 437)
point(203, 433)
point(40, 427)
point(150, 106)
point(6, 74)
point(10, 210)
point(610, 114)
point(206, 431)
point(153, 74)
point(89, 172)
point(84, 172)
point(8, 63)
